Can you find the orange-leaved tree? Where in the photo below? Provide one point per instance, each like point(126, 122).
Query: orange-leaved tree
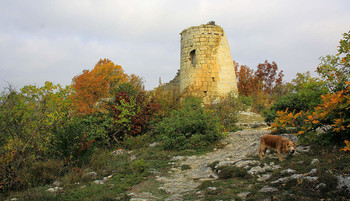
point(245, 79)
point(266, 78)
point(101, 82)
point(261, 84)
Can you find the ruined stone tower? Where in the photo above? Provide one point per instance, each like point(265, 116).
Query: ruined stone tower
point(206, 66)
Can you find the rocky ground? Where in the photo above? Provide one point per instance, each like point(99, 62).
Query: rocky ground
point(189, 172)
point(240, 150)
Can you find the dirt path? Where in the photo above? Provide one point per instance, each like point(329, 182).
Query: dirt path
point(189, 172)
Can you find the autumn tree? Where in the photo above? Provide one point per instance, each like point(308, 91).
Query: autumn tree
point(245, 79)
point(262, 85)
point(101, 82)
point(267, 77)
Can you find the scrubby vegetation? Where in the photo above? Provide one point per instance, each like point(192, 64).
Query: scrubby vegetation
point(328, 102)
point(105, 121)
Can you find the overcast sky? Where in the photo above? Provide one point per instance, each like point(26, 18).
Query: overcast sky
point(48, 40)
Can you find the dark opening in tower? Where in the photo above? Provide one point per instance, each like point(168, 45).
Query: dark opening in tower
point(193, 58)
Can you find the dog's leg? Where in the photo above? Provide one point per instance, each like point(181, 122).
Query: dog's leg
point(279, 153)
point(262, 149)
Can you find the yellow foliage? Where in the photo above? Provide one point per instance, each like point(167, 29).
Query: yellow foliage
point(347, 147)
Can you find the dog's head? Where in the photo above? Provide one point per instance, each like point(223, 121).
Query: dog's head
point(290, 147)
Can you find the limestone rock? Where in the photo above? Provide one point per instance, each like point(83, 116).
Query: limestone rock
point(98, 182)
point(288, 171)
point(343, 182)
point(256, 170)
point(264, 177)
point(315, 162)
point(54, 189)
point(267, 189)
point(243, 195)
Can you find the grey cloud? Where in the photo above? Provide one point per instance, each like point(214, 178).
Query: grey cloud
point(55, 40)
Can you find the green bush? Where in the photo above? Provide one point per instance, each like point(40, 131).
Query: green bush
point(245, 102)
point(307, 95)
point(291, 101)
point(71, 142)
point(191, 127)
point(139, 166)
point(227, 111)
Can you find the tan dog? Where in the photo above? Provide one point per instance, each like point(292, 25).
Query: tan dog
point(281, 144)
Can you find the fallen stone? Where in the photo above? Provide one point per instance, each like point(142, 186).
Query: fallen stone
point(313, 171)
point(154, 144)
point(281, 180)
point(315, 162)
point(55, 189)
point(256, 170)
point(272, 166)
point(321, 185)
point(246, 163)
point(311, 178)
point(296, 176)
point(212, 188)
point(267, 189)
point(224, 163)
point(243, 195)
point(91, 175)
point(343, 182)
point(288, 171)
point(98, 182)
point(133, 157)
point(57, 183)
point(302, 149)
point(179, 158)
point(264, 177)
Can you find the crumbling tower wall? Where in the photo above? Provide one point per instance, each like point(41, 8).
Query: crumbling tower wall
point(206, 66)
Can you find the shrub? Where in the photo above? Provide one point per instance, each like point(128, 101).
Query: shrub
point(307, 95)
point(138, 166)
point(133, 110)
point(292, 102)
point(191, 127)
point(101, 159)
point(227, 111)
point(334, 108)
point(41, 172)
point(245, 102)
point(70, 142)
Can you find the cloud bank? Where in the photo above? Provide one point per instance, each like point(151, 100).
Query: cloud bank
point(56, 40)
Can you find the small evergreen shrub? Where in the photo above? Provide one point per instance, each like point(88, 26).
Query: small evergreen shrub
point(227, 111)
point(191, 127)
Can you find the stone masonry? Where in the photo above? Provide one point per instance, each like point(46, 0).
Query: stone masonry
point(206, 66)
